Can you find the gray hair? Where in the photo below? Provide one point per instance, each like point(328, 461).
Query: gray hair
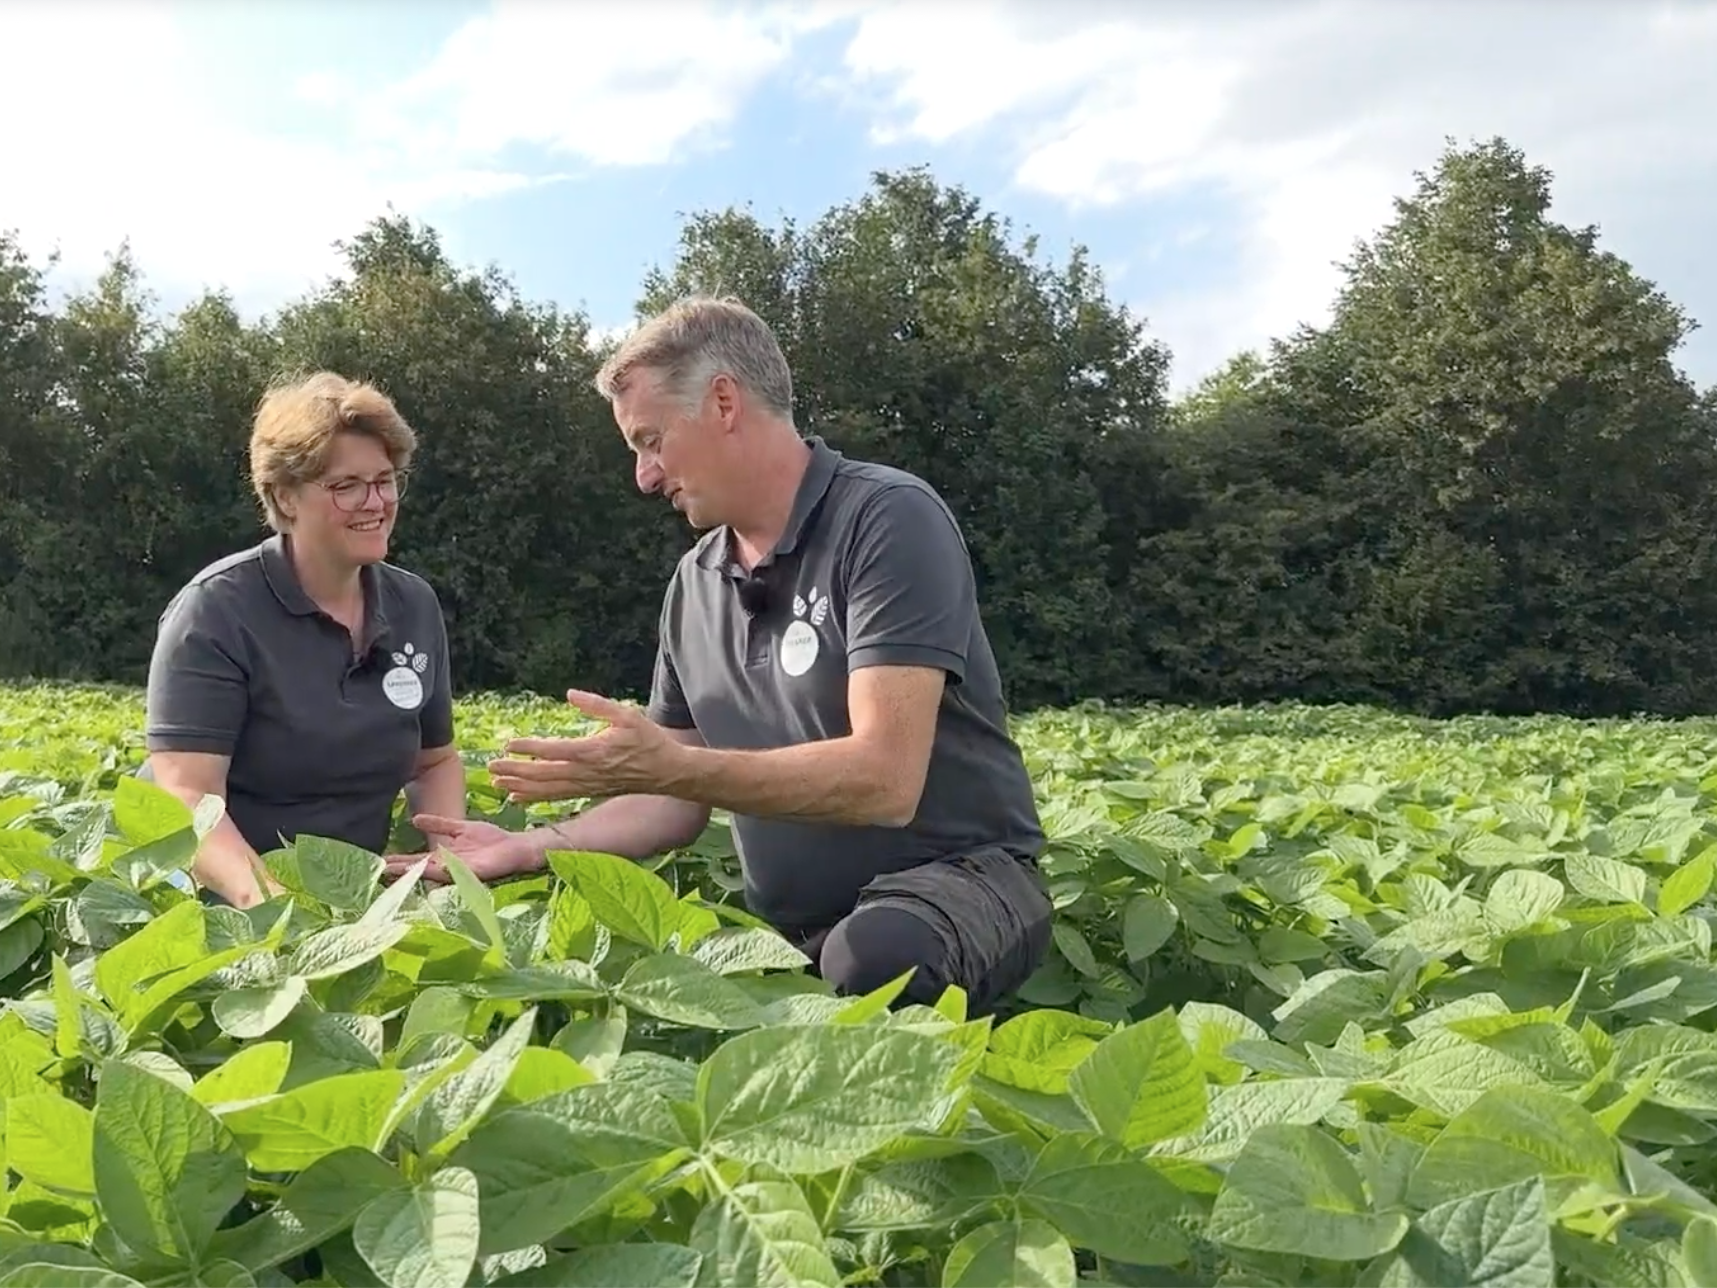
point(693, 341)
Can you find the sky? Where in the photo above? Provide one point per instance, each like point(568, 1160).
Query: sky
point(1217, 159)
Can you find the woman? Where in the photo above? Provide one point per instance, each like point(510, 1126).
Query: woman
point(305, 680)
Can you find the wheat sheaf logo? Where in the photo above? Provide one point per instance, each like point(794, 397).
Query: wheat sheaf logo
point(401, 684)
point(800, 643)
point(818, 606)
point(412, 658)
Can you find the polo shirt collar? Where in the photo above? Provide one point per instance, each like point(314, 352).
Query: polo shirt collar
point(813, 487)
point(283, 580)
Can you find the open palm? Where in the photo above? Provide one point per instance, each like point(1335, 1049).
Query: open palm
point(490, 852)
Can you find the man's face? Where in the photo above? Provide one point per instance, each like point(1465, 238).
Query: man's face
point(675, 454)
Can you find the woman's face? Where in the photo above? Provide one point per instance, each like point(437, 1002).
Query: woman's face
point(348, 513)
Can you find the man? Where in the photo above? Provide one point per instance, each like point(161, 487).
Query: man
point(822, 673)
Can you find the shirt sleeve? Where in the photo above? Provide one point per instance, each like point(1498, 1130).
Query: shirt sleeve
point(435, 725)
point(911, 598)
point(667, 704)
point(199, 688)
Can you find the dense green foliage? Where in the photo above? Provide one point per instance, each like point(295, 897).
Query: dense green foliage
point(1482, 486)
point(1337, 999)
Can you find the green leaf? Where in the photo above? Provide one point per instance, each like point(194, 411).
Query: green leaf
point(1026, 1253)
point(1237, 1112)
point(1294, 1190)
point(808, 1098)
point(145, 812)
point(1285, 944)
point(564, 1158)
point(1687, 885)
point(635, 904)
point(45, 1274)
point(248, 1074)
point(337, 874)
point(660, 1265)
point(341, 948)
point(1070, 941)
point(290, 1131)
point(455, 1105)
point(918, 1193)
point(173, 940)
point(167, 1170)
point(683, 990)
point(1699, 1249)
point(249, 1013)
point(1605, 880)
point(733, 950)
point(1497, 1238)
point(1520, 897)
point(1037, 1050)
point(318, 1203)
point(51, 1140)
point(425, 1236)
point(1142, 1084)
point(762, 1233)
point(1511, 1134)
point(478, 902)
point(1106, 1199)
point(1685, 1060)
point(1146, 924)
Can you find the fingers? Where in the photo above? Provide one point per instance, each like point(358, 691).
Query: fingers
point(543, 748)
point(523, 790)
point(400, 865)
point(600, 708)
point(534, 770)
point(437, 825)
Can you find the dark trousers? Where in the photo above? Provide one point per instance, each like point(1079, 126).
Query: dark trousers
point(979, 920)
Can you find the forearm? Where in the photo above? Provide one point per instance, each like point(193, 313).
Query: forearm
point(633, 827)
point(227, 865)
point(438, 789)
point(836, 780)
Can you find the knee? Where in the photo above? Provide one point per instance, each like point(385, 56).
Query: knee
point(876, 944)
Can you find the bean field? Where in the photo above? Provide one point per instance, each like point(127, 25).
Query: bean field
point(1336, 997)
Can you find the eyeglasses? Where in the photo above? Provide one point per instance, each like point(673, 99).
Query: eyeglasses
point(351, 495)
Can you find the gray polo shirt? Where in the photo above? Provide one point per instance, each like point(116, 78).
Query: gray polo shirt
point(322, 741)
point(871, 571)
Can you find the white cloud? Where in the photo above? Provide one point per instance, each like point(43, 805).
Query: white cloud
point(124, 142)
point(1302, 118)
point(1308, 118)
point(116, 143)
point(610, 84)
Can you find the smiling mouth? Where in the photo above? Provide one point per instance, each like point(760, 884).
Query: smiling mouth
point(373, 525)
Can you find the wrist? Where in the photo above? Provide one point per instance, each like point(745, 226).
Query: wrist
point(535, 844)
point(682, 770)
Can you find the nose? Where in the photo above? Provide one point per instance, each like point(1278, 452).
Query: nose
point(648, 474)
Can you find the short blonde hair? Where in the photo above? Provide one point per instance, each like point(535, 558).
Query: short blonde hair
point(297, 422)
point(696, 339)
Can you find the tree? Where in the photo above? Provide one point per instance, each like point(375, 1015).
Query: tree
point(1522, 381)
point(921, 337)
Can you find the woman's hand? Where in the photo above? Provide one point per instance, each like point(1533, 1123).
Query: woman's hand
point(492, 853)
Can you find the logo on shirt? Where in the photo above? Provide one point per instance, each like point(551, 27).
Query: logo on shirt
point(401, 684)
point(800, 643)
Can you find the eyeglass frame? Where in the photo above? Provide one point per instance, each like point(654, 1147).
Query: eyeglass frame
point(396, 482)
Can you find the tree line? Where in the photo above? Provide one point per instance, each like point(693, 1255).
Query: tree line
point(1483, 485)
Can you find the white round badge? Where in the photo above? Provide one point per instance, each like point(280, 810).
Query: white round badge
point(403, 688)
point(798, 648)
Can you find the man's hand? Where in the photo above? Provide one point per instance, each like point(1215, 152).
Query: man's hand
point(632, 755)
point(492, 853)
